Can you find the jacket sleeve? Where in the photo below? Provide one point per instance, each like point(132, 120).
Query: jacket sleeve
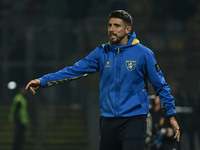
point(155, 76)
point(81, 68)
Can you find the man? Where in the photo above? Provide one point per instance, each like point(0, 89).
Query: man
point(124, 66)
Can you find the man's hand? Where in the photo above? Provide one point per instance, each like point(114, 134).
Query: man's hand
point(175, 126)
point(33, 85)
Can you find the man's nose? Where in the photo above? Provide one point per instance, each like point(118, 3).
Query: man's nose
point(111, 28)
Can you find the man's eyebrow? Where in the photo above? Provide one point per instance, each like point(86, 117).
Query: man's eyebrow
point(114, 24)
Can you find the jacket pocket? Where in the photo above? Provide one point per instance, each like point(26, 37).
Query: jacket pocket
point(104, 103)
point(142, 95)
point(129, 103)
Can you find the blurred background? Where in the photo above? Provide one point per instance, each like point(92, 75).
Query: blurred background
point(42, 36)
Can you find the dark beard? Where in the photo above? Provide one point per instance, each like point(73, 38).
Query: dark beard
point(118, 40)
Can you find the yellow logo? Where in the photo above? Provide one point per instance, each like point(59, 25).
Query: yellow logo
point(130, 65)
point(108, 64)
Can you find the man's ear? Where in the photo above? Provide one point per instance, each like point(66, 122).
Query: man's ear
point(128, 29)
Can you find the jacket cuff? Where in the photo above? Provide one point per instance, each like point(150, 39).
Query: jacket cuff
point(170, 112)
point(173, 115)
point(43, 83)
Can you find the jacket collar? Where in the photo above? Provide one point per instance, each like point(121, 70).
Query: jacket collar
point(132, 41)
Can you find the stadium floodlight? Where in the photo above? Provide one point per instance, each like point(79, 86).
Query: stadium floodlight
point(12, 85)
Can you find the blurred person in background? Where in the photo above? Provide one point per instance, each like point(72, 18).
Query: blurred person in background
point(149, 139)
point(188, 119)
point(125, 67)
point(162, 132)
point(19, 116)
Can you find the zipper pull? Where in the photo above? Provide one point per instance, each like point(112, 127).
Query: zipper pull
point(118, 50)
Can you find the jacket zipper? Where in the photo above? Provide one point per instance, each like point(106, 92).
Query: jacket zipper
point(117, 81)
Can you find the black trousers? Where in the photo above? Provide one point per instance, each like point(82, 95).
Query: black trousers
point(19, 136)
point(124, 133)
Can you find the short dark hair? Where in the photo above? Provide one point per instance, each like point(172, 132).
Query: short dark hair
point(125, 16)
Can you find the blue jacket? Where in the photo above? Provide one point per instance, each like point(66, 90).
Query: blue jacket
point(124, 72)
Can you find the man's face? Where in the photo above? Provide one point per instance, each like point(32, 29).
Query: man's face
point(117, 31)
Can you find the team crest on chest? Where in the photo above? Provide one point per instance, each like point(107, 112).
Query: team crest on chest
point(130, 65)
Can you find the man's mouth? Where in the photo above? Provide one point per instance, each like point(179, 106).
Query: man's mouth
point(113, 35)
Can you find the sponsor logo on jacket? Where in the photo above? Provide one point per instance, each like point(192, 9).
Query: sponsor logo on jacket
point(108, 64)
